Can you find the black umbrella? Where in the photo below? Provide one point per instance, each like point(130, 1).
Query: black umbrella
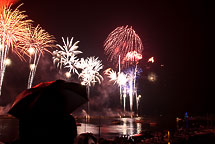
point(55, 97)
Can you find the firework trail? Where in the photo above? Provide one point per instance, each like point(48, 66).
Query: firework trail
point(121, 41)
point(13, 34)
point(90, 74)
point(126, 80)
point(118, 78)
point(123, 47)
point(39, 41)
point(90, 71)
point(89, 67)
point(130, 88)
point(66, 56)
point(131, 92)
point(133, 57)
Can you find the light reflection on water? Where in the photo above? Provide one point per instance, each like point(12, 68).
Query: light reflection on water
point(126, 126)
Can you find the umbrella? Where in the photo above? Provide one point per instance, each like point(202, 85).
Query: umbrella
point(48, 98)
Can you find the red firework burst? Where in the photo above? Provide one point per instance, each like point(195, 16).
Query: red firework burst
point(121, 41)
point(152, 60)
point(132, 57)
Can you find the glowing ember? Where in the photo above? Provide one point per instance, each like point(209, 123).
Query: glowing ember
point(152, 77)
point(151, 60)
point(7, 62)
point(68, 74)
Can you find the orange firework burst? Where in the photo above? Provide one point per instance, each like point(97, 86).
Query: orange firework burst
point(39, 41)
point(13, 30)
point(121, 41)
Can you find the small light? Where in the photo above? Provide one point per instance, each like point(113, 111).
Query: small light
point(7, 62)
point(68, 74)
point(152, 77)
point(31, 51)
point(152, 60)
point(32, 66)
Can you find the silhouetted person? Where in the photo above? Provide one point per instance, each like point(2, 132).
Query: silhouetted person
point(48, 130)
point(86, 138)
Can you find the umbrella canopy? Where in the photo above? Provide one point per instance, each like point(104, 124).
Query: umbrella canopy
point(48, 98)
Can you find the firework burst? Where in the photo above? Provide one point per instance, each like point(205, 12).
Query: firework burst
point(90, 70)
point(66, 56)
point(111, 74)
point(89, 75)
point(117, 78)
point(39, 41)
point(121, 41)
point(132, 57)
point(13, 32)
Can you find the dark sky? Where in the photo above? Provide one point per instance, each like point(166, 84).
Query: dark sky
point(173, 32)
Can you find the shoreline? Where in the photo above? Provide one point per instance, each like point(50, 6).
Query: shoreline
point(199, 128)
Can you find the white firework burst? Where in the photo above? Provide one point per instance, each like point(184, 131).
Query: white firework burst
point(119, 78)
point(90, 71)
point(66, 56)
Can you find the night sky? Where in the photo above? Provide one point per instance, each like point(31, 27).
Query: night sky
point(174, 32)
